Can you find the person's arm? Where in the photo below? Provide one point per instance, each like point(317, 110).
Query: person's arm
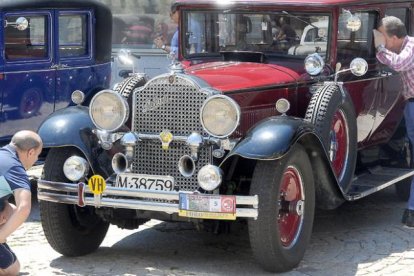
point(398, 62)
point(23, 205)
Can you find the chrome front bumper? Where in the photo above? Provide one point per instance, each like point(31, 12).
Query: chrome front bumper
point(246, 206)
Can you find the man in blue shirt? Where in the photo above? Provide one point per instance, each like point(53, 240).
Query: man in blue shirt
point(15, 159)
point(172, 49)
point(194, 35)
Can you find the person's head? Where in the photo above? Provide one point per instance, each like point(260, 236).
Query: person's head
point(282, 21)
point(28, 145)
point(174, 14)
point(394, 31)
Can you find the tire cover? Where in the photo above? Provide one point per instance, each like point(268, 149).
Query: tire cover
point(125, 89)
point(335, 121)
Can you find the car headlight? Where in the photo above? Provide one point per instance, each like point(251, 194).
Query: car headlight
point(220, 116)
point(108, 110)
point(314, 64)
point(75, 168)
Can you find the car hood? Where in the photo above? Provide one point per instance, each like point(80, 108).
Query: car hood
point(233, 76)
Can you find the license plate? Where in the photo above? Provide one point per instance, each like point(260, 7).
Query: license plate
point(145, 182)
point(207, 206)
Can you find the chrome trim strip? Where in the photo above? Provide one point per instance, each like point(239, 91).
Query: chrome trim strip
point(177, 138)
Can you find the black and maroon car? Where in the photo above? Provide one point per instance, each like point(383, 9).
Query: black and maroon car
point(273, 109)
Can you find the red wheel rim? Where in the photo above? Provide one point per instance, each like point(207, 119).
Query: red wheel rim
point(339, 143)
point(291, 206)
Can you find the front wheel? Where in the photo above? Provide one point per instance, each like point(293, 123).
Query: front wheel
point(281, 233)
point(69, 229)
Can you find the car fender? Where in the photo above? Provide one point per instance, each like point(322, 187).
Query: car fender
point(70, 126)
point(272, 138)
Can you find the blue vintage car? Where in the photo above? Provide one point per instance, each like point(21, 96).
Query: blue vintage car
point(48, 49)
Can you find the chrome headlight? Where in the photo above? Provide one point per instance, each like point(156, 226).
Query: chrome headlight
point(75, 168)
point(220, 116)
point(314, 64)
point(108, 110)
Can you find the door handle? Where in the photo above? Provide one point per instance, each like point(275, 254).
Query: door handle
point(384, 74)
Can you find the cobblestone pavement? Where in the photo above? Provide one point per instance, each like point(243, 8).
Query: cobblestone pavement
point(360, 238)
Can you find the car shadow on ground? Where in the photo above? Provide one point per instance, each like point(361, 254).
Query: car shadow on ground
point(363, 235)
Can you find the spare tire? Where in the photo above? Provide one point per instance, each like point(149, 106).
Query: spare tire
point(334, 118)
point(125, 89)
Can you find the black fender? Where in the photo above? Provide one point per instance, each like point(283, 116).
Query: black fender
point(273, 137)
point(68, 126)
point(72, 127)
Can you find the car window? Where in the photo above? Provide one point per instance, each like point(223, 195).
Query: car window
point(358, 43)
point(30, 43)
point(272, 33)
point(73, 35)
point(401, 13)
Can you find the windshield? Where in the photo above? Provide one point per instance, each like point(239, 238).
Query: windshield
point(281, 33)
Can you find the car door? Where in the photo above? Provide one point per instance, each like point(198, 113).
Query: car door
point(28, 82)
point(75, 56)
point(354, 43)
point(389, 100)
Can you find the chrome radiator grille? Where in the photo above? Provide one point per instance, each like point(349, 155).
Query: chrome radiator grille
point(174, 106)
point(152, 159)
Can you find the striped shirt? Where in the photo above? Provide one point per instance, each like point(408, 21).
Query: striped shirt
point(403, 63)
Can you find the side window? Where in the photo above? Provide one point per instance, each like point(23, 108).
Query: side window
point(358, 43)
point(30, 43)
point(73, 37)
point(401, 13)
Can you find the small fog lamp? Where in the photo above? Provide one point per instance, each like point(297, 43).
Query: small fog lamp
point(77, 97)
point(282, 106)
point(75, 168)
point(209, 177)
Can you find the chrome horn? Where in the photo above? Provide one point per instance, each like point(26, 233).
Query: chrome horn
point(120, 163)
point(187, 165)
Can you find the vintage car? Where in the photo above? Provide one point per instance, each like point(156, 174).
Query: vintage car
point(48, 50)
point(240, 129)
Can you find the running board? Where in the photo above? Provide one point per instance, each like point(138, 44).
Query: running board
point(376, 179)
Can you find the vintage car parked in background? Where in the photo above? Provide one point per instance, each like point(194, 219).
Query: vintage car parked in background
point(242, 127)
point(48, 49)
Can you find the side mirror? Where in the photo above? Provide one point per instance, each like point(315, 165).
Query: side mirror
point(21, 23)
point(359, 66)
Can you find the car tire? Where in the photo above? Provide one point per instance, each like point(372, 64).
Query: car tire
point(280, 235)
point(69, 229)
point(125, 89)
point(335, 121)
